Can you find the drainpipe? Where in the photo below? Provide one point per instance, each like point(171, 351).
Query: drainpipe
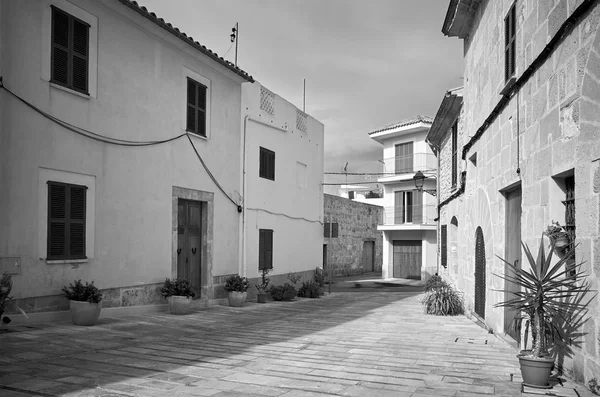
point(437, 188)
point(246, 119)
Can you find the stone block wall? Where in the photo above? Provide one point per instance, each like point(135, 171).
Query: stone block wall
point(357, 224)
point(549, 129)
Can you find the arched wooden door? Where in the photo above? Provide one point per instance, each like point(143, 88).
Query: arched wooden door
point(479, 273)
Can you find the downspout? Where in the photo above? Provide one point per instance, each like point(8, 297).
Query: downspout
point(436, 149)
point(246, 118)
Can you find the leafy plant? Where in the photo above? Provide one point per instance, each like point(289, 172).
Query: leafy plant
point(177, 287)
point(550, 296)
point(294, 277)
point(319, 276)
point(262, 287)
point(5, 288)
point(555, 230)
point(77, 291)
point(285, 292)
point(435, 281)
point(235, 282)
point(594, 386)
point(443, 301)
point(309, 289)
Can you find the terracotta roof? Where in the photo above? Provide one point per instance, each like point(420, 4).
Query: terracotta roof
point(404, 123)
point(188, 39)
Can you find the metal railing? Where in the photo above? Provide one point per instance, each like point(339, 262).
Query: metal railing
point(407, 164)
point(409, 215)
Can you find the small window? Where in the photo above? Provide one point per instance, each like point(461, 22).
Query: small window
point(334, 230)
point(330, 230)
point(326, 229)
point(570, 220)
point(510, 25)
point(70, 51)
point(454, 154)
point(196, 107)
point(265, 249)
point(267, 164)
point(444, 246)
point(66, 221)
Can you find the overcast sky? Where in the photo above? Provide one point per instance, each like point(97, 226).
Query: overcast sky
point(367, 63)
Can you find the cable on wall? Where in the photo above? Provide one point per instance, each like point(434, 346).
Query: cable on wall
point(287, 216)
point(116, 141)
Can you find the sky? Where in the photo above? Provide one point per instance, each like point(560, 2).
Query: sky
point(367, 63)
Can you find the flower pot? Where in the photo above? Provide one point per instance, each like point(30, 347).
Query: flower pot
point(261, 298)
point(561, 242)
point(536, 371)
point(179, 304)
point(85, 313)
point(236, 298)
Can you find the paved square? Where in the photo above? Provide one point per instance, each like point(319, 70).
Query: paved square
point(364, 343)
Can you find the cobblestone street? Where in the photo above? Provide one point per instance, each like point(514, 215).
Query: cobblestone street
point(373, 342)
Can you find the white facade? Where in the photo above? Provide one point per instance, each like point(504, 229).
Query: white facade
point(291, 205)
point(408, 224)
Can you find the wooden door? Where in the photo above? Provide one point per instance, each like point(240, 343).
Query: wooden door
point(512, 253)
point(480, 273)
point(407, 259)
point(368, 256)
point(189, 242)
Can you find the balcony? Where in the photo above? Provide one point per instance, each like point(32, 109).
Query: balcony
point(402, 167)
point(410, 217)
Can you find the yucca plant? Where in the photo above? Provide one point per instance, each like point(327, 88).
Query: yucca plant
point(551, 298)
point(443, 301)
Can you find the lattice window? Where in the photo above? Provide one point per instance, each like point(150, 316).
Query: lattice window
point(301, 120)
point(569, 203)
point(267, 101)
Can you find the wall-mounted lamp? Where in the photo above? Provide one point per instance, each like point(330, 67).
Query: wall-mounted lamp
point(419, 179)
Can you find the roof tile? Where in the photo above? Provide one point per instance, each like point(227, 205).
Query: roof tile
point(404, 123)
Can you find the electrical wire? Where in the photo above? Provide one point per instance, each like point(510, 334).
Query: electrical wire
point(230, 47)
point(116, 141)
point(287, 216)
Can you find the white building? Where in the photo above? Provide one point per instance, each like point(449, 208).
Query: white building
point(408, 225)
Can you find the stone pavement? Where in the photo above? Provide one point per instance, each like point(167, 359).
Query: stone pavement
point(364, 343)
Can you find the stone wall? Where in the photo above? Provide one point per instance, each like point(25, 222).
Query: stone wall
point(549, 130)
point(357, 224)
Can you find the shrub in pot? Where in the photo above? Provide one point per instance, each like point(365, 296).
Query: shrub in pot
point(261, 296)
point(179, 293)
point(551, 302)
point(85, 302)
point(237, 286)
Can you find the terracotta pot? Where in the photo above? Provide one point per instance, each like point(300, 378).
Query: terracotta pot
point(236, 298)
point(561, 242)
point(261, 298)
point(85, 313)
point(179, 304)
point(535, 371)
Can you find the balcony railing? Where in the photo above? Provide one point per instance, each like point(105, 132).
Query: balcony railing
point(408, 164)
point(410, 215)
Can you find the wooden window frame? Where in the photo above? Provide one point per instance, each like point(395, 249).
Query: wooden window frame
point(265, 255)
point(510, 34)
point(454, 154)
point(68, 221)
point(266, 164)
point(70, 52)
point(195, 107)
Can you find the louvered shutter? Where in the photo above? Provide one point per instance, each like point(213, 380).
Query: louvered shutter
point(261, 249)
point(66, 221)
point(510, 25)
point(191, 106)
point(60, 47)
point(444, 248)
point(76, 242)
point(80, 56)
point(334, 230)
point(269, 249)
point(57, 221)
point(201, 112)
point(326, 229)
point(417, 207)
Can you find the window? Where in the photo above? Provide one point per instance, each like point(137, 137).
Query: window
point(570, 219)
point(404, 158)
point(70, 51)
point(66, 221)
point(330, 230)
point(510, 42)
point(408, 207)
point(267, 164)
point(196, 107)
point(444, 246)
point(454, 154)
point(265, 249)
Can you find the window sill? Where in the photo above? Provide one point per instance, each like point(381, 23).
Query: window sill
point(63, 88)
point(197, 135)
point(65, 261)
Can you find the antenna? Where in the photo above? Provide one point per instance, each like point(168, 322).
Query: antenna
point(235, 33)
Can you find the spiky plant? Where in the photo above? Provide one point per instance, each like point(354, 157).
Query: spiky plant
point(443, 301)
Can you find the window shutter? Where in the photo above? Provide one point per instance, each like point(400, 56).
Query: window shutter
point(60, 47)
point(444, 247)
point(417, 207)
point(80, 55)
point(77, 221)
point(326, 229)
point(57, 220)
point(334, 230)
point(261, 249)
point(201, 115)
point(269, 249)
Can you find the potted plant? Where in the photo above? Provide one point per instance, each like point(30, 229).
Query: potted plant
point(179, 293)
point(550, 300)
point(237, 286)
point(5, 288)
point(558, 236)
point(261, 296)
point(85, 302)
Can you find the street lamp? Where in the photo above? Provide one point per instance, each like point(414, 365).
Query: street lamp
point(419, 179)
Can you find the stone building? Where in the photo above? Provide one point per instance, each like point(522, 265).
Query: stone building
point(519, 147)
point(351, 243)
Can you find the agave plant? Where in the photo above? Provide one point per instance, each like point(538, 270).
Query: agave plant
point(551, 297)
